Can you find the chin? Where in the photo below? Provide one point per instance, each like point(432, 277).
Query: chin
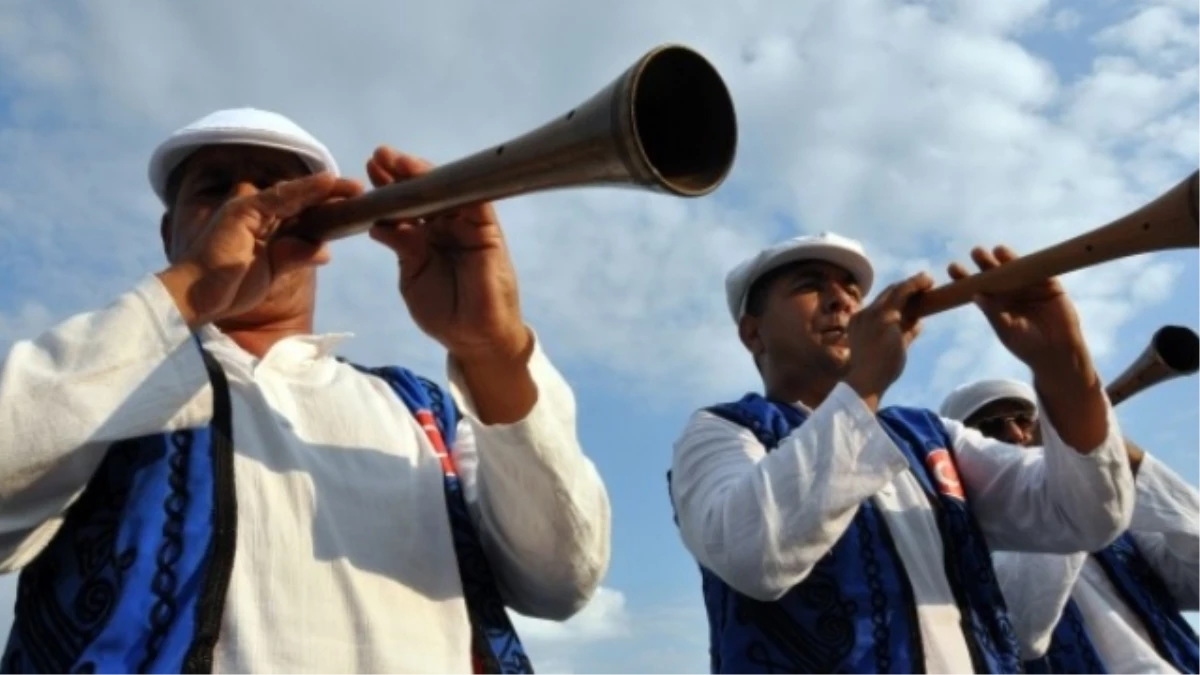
point(839, 357)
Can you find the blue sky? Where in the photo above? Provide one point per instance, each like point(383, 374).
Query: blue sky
point(921, 128)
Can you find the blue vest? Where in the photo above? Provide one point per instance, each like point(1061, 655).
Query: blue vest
point(135, 579)
point(855, 612)
point(1071, 647)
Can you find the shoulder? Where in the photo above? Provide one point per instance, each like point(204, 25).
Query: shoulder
point(919, 419)
point(416, 390)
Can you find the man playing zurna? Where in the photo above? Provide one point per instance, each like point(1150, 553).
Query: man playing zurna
point(192, 480)
point(835, 535)
point(1117, 610)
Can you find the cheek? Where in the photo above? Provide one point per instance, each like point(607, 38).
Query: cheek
point(186, 225)
point(791, 325)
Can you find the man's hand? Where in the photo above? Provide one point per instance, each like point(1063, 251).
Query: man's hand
point(229, 267)
point(879, 336)
point(1038, 324)
point(455, 273)
point(461, 289)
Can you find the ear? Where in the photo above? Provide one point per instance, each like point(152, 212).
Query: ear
point(748, 333)
point(164, 231)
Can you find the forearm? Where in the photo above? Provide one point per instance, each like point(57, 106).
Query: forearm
point(761, 523)
point(1166, 527)
point(1073, 399)
point(124, 371)
point(1052, 499)
point(501, 385)
point(542, 506)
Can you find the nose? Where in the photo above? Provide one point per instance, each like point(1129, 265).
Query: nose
point(1017, 434)
point(837, 299)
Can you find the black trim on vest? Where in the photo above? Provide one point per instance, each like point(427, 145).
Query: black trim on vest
point(211, 606)
point(910, 596)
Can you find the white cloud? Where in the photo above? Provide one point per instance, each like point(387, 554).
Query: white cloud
point(1159, 33)
point(923, 128)
point(1066, 20)
point(605, 617)
point(609, 636)
point(918, 127)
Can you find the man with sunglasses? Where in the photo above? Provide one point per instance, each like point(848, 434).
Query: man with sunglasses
point(1115, 610)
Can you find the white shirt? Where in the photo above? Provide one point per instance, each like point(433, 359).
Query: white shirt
point(762, 521)
point(1166, 527)
point(344, 559)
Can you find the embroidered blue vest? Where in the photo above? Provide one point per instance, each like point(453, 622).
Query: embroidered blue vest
point(855, 612)
point(1071, 647)
point(135, 579)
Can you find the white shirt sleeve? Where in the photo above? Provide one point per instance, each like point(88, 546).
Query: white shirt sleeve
point(762, 521)
point(1036, 589)
point(1050, 499)
point(124, 371)
point(1166, 527)
point(541, 505)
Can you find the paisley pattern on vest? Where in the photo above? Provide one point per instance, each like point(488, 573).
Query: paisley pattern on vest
point(1143, 591)
point(855, 611)
point(135, 578)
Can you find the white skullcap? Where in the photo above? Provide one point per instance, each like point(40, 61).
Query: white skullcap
point(242, 126)
point(969, 398)
point(826, 246)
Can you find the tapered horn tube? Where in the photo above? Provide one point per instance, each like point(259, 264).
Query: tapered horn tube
point(1174, 351)
point(666, 125)
point(1167, 222)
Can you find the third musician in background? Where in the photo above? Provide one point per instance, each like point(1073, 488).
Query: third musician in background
point(834, 535)
point(1117, 610)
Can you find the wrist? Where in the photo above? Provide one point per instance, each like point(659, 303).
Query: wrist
point(503, 356)
point(1072, 371)
point(180, 280)
point(870, 395)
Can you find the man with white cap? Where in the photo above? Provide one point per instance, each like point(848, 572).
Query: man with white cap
point(837, 536)
point(1117, 610)
point(191, 480)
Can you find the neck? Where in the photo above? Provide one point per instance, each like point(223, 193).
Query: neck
point(811, 391)
point(257, 337)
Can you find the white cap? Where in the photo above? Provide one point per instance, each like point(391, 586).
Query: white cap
point(242, 126)
point(826, 246)
point(969, 398)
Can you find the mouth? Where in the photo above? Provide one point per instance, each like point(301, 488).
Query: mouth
point(834, 334)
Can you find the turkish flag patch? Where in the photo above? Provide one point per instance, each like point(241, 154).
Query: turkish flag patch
point(944, 473)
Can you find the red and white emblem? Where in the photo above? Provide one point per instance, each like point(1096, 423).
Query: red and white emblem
point(941, 466)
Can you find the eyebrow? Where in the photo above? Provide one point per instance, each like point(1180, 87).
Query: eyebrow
point(810, 273)
point(227, 169)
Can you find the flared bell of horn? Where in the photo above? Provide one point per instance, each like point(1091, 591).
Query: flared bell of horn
point(1174, 351)
point(666, 125)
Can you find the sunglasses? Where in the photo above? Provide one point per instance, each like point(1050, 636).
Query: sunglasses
point(997, 425)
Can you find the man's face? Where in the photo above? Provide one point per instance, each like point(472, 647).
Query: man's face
point(804, 312)
point(1010, 420)
point(209, 177)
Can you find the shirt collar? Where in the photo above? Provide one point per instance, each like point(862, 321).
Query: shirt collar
point(293, 349)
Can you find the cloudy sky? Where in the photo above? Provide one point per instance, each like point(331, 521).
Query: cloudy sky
point(921, 127)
